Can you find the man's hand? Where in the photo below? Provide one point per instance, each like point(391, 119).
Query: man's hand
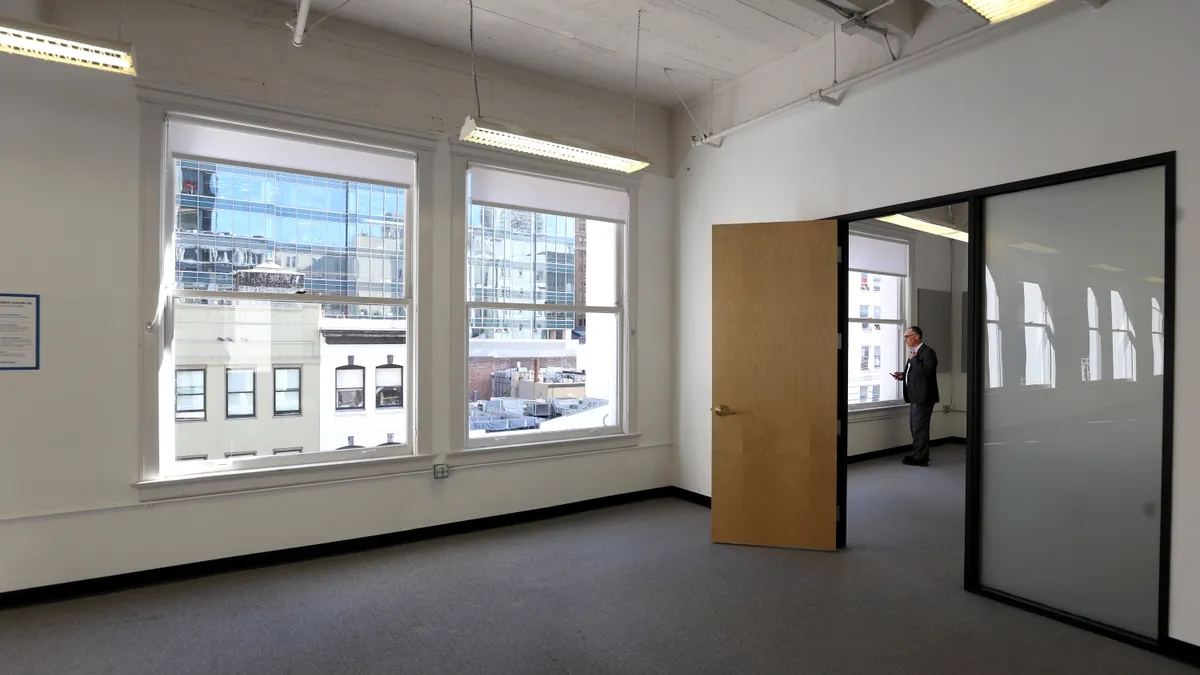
point(897, 376)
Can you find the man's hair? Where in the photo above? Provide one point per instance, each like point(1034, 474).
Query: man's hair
point(917, 331)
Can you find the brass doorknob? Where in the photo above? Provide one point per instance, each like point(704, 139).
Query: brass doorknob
point(723, 411)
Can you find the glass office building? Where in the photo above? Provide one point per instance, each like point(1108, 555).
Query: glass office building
point(525, 257)
point(345, 237)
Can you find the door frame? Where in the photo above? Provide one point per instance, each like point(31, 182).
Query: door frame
point(976, 299)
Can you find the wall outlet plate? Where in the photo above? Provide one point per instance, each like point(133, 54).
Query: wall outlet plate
point(441, 470)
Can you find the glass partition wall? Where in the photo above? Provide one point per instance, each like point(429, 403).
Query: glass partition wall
point(1069, 504)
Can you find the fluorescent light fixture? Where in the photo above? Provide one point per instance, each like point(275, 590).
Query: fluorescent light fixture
point(51, 43)
point(925, 226)
point(507, 137)
point(1034, 248)
point(996, 11)
point(1155, 280)
point(1106, 267)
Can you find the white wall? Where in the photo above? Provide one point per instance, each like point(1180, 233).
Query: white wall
point(1073, 90)
point(69, 180)
point(241, 48)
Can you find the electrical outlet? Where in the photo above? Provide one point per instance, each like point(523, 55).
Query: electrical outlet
point(441, 470)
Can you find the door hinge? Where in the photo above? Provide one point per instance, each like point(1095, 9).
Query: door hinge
point(839, 341)
point(839, 255)
point(839, 427)
point(839, 513)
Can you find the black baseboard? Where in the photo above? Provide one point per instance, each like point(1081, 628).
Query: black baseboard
point(1182, 651)
point(693, 497)
point(887, 452)
point(120, 582)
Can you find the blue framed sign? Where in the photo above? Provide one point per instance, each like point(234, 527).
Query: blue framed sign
point(20, 331)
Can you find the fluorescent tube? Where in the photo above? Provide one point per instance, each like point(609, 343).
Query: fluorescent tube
point(502, 136)
point(54, 44)
point(996, 11)
point(924, 226)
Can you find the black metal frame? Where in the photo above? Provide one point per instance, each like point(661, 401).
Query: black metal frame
point(843, 409)
point(1162, 643)
point(276, 391)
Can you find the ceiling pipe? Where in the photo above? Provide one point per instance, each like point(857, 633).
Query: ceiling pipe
point(824, 95)
point(300, 23)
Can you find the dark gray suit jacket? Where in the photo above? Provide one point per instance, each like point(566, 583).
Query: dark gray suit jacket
point(920, 382)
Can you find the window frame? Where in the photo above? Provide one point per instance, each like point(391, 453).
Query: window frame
point(389, 367)
point(362, 371)
point(503, 447)
point(1047, 332)
point(276, 391)
point(873, 230)
point(159, 478)
point(203, 370)
point(229, 369)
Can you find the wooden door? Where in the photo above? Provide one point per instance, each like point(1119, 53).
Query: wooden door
point(775, 384)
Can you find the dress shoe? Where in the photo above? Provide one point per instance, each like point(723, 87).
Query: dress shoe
point(911, 461)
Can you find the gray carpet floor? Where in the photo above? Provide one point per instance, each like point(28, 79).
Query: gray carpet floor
point(630, 589)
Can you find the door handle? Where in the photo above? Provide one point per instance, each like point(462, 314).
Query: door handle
point(723, 411)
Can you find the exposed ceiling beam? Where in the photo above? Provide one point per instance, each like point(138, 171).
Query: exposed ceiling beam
point(900, 16)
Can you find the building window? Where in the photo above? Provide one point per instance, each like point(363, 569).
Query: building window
point(1157, 335)
point(287, 391)
point(1123, 337)
point(239, 392)
point(262, 215)
point(542, 272)
point(287, 451)
point(1040, 365)
point(241, 454)
point(880, 304)
point(350, 384)
point(995, 364)
point(189, 394)
point(389, 386)
point(1092, 368)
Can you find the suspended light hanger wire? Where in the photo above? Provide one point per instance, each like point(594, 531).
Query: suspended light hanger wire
point(509, 137)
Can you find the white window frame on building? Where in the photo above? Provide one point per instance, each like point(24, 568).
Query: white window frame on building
point(502, 446)
point(161, 477)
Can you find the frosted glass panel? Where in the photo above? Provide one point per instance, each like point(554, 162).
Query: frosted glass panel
point(1073, 400)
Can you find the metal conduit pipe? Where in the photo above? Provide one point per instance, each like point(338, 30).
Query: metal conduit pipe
point(824, 94)
point(301, 22)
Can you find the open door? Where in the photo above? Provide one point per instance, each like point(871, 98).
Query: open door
point(775, 384)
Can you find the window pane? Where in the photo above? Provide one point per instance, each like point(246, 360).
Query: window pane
point(297, 346)
point(282, 226)
point(881, 354)
point(240, 405)
point(883, 300)
point(350, 378)
point(528, 257)
point(287, 401)
point(543, 384)
point(388, 377)
point(287, 378)
point(239, 380)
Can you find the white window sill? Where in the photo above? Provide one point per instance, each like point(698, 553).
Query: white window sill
point(249, 480)
point(882, 407)
point(540, 450)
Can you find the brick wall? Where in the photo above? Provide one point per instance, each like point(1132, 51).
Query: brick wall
point(480, 370)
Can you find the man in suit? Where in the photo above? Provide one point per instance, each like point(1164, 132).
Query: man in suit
point(920, 392)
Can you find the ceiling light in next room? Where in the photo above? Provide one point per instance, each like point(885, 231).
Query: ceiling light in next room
point(507, 137)
point(925, 226)
point(50, 43)
point(1034, 248)
point(996, 11)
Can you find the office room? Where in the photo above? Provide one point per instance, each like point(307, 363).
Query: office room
point(356, 337)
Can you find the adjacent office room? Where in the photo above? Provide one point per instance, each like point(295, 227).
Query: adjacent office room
point(907, 272)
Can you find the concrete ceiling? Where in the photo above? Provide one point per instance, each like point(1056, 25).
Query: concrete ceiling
point(593, 41)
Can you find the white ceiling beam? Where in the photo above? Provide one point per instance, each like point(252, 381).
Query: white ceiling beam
point(901, 16)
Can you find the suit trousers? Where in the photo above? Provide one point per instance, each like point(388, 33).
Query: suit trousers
point(919, 415)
